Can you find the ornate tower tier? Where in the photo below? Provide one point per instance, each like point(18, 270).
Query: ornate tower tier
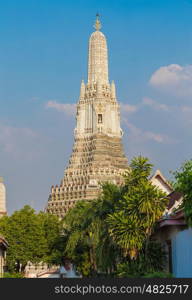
point(98, 154)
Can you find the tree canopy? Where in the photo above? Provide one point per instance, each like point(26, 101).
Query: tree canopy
point(32, 237)
point(103, 236)
point(118, 224)
point(135, 215)
point(183, 184)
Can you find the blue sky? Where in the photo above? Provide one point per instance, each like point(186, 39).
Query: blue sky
point(43, 58)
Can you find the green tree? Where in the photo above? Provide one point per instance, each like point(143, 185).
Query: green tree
point(83, 230)
point(151, 263)
point(87, 231)
point(141, 206)
point(105, 232)
point(53, 233)
point(183, 184)
point(107, 251)
point(31, 237)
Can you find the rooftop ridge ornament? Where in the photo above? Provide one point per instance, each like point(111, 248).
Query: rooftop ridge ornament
point(97, 24)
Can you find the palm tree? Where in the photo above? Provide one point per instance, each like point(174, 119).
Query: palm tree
point(141, 206)
point(107, 251)
point(85, 224)
point(126, 232)
point(118, 223)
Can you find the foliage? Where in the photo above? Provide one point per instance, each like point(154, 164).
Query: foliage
point(13, 275)
point(88, 239)
point(78, 237)
point(144, 264)
point(106, 236)
point(158, 275)
point(183, 184)
point(52, 230)
point(107, 233)
point(141, 206)
point(31, 237)
point(126, 232)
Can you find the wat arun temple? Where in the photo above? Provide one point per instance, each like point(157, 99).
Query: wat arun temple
point(97, 154)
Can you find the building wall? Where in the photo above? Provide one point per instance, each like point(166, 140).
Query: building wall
point(2, 260)
point(182, 254)
point(160, 184)
point(48, 275)
point(32, 270)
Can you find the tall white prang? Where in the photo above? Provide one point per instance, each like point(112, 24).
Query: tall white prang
point(97, 154)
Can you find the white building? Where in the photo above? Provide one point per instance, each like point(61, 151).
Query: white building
point(3, 248)
point(3, 210)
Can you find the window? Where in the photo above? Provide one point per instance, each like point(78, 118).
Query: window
point(100, 118)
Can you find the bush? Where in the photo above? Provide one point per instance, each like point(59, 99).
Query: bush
point(146, 263)
point(13, 275)
point(158, 275)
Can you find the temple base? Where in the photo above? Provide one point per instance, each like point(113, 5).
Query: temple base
point(95, 159)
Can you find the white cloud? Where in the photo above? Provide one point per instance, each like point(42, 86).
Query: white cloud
point(154, 104)
point(68, 108)
point(17, 141)
point(146, 101)
point(127, 108)
point(187, 113)
point(175, 79)
point(139, 135)
point(182, 113)
point(187, 109)
point(167, 75)
point(159, 138)
point(35, 99)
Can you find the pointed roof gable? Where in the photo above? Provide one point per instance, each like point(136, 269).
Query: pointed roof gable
point(161, 182)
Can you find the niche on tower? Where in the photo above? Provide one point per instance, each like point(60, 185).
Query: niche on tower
point(100, 118)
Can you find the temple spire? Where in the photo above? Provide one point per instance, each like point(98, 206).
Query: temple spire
point(82, 90)
point(98, 56)
point(97, 24)
point(97, 154)
point(113, 90)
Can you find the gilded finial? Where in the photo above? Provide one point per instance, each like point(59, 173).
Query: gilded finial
point(97, 25)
